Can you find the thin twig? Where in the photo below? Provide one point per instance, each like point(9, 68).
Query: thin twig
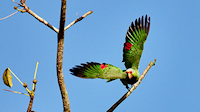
point(36, 70)
point(9, 15)
point(35, 75)
point(16, 92)
point(39, 18)
point(15, 76)
point(32, 93)
point(16, 2)
point(79, 19)
point(133, 87)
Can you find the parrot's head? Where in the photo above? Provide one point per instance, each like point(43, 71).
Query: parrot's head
point(131, 73)
point(132, 77)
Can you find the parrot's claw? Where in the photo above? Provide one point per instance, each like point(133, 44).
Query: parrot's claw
point(128, 88)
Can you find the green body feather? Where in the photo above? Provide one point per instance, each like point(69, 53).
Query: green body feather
point(109, 72)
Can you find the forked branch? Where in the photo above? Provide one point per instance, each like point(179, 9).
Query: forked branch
point(60, 47)
point(60, 76)
point(133, 87)
point(26, 9)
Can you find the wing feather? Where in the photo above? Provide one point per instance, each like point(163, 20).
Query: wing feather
point(135, 39)
point(96, 70)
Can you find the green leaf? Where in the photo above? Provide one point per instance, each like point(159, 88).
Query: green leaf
point(7, 78)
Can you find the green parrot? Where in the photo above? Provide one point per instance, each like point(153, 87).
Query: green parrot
point(132, 51)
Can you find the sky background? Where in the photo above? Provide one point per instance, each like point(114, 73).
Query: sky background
point(172, 85)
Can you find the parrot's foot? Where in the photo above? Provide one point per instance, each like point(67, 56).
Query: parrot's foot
point(128, 88)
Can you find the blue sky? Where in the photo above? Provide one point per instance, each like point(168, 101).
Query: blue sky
point(170, 86)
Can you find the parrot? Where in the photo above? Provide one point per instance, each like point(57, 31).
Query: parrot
point(133, 47)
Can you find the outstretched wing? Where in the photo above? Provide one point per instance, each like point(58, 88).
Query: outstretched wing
point(135, 39)
point(96, 70)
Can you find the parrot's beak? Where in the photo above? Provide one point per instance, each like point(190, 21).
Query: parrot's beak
point(130, 75)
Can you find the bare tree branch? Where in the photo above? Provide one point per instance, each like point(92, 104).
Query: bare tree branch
point(23, 1)
point(60, 76)
point(60, 47)
point(39, 18)
point(30, 103)
point(133, 87)
point(79, 19)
